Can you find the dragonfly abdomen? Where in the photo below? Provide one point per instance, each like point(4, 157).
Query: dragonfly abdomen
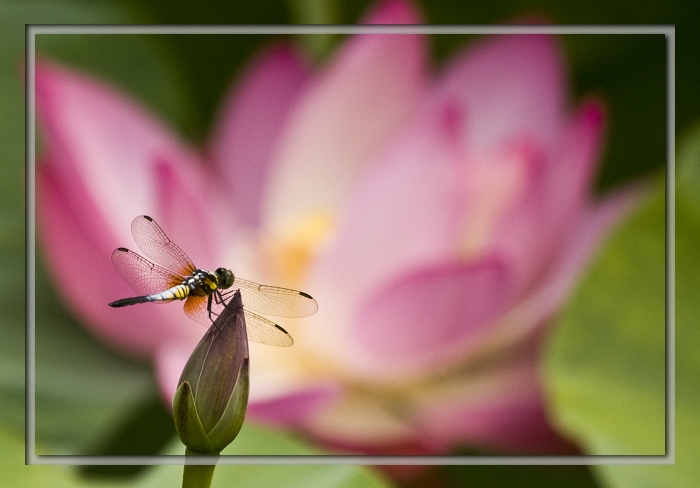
point(179, 292)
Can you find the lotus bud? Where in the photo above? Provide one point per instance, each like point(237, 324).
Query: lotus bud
point(210, 402)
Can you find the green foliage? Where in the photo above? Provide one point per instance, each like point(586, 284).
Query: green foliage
point(251, 439)
point(605, 360)
point(600, 360)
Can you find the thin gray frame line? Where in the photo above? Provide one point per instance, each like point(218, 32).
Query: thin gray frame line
point(30, 138)
point(346, 29)
point(30, 242)
point(335, 459)
point(671, 245)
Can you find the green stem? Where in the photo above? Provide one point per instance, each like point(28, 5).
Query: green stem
point(198, 475)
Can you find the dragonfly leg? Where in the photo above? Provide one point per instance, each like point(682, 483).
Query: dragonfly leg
point(211, 312)
point(219, 298)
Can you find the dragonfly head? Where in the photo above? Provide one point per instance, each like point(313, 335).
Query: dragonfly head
point(224, 277)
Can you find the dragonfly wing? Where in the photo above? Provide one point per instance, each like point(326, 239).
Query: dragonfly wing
point(265, 331)
point(196, 309)
point(145, 277)
point(155, 244)
point(258, 328)
point(272, 300)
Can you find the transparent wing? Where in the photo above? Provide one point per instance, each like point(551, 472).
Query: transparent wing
point(272, 300)
point(155, 244)
point(265, 331)
point(145, 277)
point(259, 329)
point(196, 309)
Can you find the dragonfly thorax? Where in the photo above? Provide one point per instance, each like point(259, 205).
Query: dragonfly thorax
point(224, 277)
point(202, 282)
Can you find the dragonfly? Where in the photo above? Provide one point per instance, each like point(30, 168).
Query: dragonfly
point(168, 274)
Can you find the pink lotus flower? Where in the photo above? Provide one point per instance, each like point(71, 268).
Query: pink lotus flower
point(439, 221)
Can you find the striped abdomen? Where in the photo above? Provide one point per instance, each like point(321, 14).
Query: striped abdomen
point(178, 292)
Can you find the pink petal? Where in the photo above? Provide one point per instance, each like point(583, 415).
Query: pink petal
point(71, 246)
point(429, 318)
point(253, 116)
point(361, 421)
point(107, 148)
point(515, 425)
point(511, 86)
point(495, 407)
point(567, 265)
point(107, 162)
point(571, 170)
point(553, 204)
point(184, 209)
point(497, 183)
point(407, 208)
point(392, 12)
point(405, 213)
point(294, 409)
point(366, 93)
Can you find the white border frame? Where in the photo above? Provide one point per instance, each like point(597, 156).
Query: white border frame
point(30, 381)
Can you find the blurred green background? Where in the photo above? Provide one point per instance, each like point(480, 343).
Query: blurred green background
point(188, 76)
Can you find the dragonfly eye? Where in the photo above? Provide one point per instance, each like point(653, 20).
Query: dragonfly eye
point(224, 277)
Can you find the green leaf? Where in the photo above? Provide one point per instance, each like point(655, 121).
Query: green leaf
point(688, 172)
point(261, 441)
point(84, 391)
point(17, 475)
point(605, 362)
point(139, 64)
point(686, 470)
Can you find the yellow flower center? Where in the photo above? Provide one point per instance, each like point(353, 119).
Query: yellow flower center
point(290, 251)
